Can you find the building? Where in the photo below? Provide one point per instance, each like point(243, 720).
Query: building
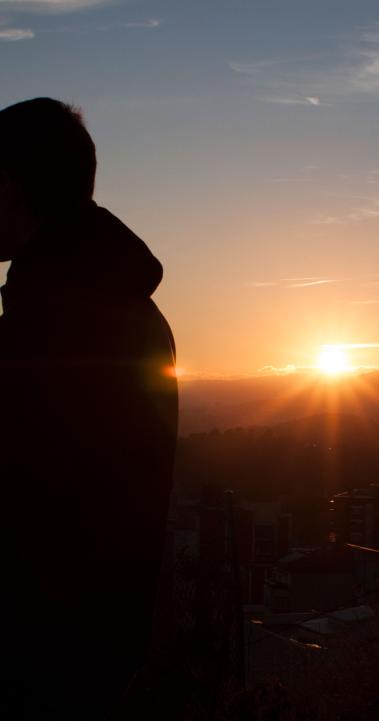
point(323, 578)
point(327, 662)
point(311, 579)
point(354, 516)
point(262, 534)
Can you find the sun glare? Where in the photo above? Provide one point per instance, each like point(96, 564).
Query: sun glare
point(333, 360)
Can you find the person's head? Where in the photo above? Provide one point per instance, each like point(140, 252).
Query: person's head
point(47, 167)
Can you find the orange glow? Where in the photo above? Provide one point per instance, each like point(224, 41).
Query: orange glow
point(173, 371)
point(333, 360)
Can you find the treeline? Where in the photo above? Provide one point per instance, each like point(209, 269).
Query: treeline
point(301, 464)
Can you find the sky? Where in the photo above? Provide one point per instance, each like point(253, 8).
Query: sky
point(240, 140)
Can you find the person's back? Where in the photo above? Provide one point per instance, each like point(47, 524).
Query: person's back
point(88, 426)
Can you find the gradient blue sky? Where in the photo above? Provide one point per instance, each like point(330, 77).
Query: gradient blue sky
point(240, 139)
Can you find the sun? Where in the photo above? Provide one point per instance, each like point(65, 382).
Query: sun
point(333, 360)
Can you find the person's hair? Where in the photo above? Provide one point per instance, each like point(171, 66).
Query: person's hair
point(46, 148)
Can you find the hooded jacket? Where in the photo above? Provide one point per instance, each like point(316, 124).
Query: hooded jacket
point(88, 429)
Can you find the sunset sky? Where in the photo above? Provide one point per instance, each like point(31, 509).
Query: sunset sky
point(240, 140)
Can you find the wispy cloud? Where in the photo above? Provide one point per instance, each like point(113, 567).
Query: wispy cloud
point(365, 73)
point(353, 70)
point(301, 278)
point(54, 6)
point(310, 369)
point(152, 23)
point(289, 87)
point(307, 283)
point(367, 78)
point(312, 100)
point(8, 33)
point(254, 67)
point(303, 282)
point(371, 35)
point(368, 211)
point(274, 370)
point(16, 34)
point(307, 101)
point(149, 24)
point(329, 220)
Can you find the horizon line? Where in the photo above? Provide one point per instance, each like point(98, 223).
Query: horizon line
point(265, 372)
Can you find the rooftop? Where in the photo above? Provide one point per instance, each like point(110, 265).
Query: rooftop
point(331, 559)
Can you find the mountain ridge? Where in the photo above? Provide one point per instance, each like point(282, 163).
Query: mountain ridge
point(271, 400)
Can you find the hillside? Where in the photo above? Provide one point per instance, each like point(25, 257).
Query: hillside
point(271, 400)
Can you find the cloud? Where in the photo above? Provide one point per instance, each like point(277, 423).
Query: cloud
point(366, 78)
point(307, 101)
point(256, 66)
point(310, 80)
point(291, 368)
point(365, 213)
point(289, 86)
point(303, 282)
point(329, 220)
point(306, 283)
point(285, 370)
point(366, 75)
point(13, 34)
point(152, 23)
point(301, 278)
point(362, 213)
point(371, 36)
point(106, 27)
point(16, 34)
point(51, 6)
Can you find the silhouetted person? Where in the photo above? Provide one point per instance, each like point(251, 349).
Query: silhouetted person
point(88, 411)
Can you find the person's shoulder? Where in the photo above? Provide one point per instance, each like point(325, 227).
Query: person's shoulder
point(106, 220)
point(126, 261)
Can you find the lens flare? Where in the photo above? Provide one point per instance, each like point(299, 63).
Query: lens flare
point(333, 360)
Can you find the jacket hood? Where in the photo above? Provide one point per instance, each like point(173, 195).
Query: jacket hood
point(87, 254)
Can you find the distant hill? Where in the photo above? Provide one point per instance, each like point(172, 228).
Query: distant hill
point(332, 430)
point(302, 461)
point(273, 400)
